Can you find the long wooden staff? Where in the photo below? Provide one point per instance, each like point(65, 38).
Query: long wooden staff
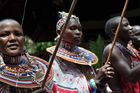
point(58, 43)
point(117, 31)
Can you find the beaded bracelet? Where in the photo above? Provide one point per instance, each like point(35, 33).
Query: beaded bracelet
point(92, 84)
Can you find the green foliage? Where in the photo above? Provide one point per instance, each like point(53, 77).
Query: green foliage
point(36, 47)
point(29, 44)
point(41, 46)
point(97, 47)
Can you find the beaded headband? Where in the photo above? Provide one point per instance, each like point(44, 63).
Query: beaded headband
point(63, 15)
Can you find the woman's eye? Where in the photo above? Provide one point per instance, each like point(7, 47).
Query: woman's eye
point(3, 34)
point(18, 34)
point(126, 24)
point(73, 28)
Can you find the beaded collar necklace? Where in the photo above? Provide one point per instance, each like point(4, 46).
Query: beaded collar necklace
point(20, 66)
point(134, 51)
point(124, 49)
point(75, 50)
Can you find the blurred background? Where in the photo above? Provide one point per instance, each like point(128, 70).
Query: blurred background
point(40, 17)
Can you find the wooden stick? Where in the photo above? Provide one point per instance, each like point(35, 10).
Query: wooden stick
point(59, 41)
point(117, 31)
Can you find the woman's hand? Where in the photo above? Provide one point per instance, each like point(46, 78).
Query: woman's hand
point(106, 71)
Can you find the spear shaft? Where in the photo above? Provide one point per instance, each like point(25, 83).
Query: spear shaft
point(117, 31)
point(59, 41)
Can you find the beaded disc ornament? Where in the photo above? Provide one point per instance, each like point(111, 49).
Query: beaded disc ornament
point(84, 57)
point(24, 75)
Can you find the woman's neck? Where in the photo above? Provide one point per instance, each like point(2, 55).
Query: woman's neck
point(68, 46)
point(12, 60)
point(122, 42)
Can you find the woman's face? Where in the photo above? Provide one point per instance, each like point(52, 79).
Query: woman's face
point(125, 30)
point(136, 34)
point(11, 38)
point(73, 32)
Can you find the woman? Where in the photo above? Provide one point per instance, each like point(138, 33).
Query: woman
point(19, 72)
point(126, 74)
point(73, 71)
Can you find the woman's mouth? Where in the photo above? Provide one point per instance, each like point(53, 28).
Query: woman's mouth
point(13, 46)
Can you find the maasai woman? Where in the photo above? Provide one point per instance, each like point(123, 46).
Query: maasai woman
point(126, 74)
point(134, 45)
point(19, 72)
point(73, 71)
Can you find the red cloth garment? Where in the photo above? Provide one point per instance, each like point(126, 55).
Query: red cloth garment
point(128, 87)
point(61, 89)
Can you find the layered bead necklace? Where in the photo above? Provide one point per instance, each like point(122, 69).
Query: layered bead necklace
point(135, 52)
point(75, 50)
point(84, 56)
point(124, 49)
point(19, 66)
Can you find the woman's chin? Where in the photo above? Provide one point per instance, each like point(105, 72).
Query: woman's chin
point(13, 53)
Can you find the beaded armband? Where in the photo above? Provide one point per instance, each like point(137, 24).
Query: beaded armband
point(92, 84)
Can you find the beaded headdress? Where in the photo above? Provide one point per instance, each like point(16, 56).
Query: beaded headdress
point(63, 15)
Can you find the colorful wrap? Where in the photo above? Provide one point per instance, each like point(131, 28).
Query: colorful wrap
point(61, 21)
point(25, 76)
point(90, 58)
